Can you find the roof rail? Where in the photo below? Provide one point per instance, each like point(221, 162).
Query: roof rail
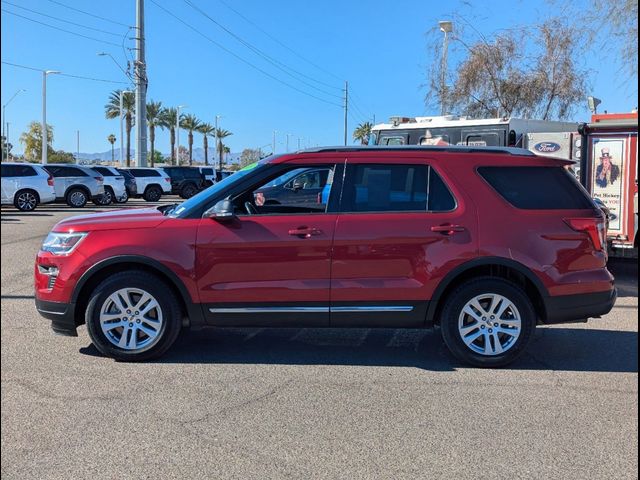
point(423, 148)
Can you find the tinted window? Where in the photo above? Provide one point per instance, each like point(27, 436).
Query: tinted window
point(537, 188)
point(66, 172)
point(105, 172)
point(144, 172)
point(8, 171)
point(440, 198)
point(207, 171)
point(385, 188)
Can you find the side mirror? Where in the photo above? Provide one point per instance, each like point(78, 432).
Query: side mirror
point(221, 211)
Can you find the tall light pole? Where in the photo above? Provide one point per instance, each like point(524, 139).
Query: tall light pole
point(446, 27)
point(288, 135)
point(273, 147)
point(346, 110)
point(178, 108)
point(44, 114)
point(140, 75)
point(77, 146)
point(122, 92)
point(4, 120)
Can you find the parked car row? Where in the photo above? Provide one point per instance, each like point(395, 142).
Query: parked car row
point(26, 185)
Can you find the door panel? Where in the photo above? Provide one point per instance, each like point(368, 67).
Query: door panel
point(262, 269)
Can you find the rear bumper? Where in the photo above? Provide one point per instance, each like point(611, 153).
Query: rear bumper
point(579, 308)
point(62, 316)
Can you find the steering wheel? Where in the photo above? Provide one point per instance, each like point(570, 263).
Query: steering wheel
point(250, 208)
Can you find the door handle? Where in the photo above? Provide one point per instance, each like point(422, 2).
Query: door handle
point(305, 232)
point(448, 229)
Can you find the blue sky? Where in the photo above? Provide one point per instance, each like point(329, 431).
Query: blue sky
point(380, 47)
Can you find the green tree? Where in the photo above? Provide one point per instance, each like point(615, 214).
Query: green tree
point(32, 140)
point(112, 110)
point(60, 156)
point(168, 120)
point(157, 158)
point(190, 123)
point(249, 156)
point(154, 119)
point(362, 132)
point(207, 130)
point(6, 147)
point(112, 140)
point(220, 135)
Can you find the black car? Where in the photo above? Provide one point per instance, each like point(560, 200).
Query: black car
point(129, 182)
point(303, 185)
point(185, 181)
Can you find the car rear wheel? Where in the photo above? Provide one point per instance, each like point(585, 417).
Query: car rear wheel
point(133, 316)
point(152, 194)
point(123, 199)
point(188, 191)
point(106, 198)
point(26, 200)
point(488, 322)
point(77, 198)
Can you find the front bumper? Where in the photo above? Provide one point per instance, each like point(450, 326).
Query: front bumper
point(579, 308)
point(62, 316)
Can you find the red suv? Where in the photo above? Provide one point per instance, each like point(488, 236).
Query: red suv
point(486, 243)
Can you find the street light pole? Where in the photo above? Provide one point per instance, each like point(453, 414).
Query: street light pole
point(273, 147)
point(4, 120)
point(288, 135)
point(44, 114)
point(446, 27)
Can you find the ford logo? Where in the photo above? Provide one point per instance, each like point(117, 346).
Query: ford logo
point(546, 147)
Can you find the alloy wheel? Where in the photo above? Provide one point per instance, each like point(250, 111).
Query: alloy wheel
point(78, 199)
point(131, 319)
point(27, 201)
point(489, 324)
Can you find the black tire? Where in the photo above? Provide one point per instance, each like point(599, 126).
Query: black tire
point(152, 193)
point(453, 309)
point(188, 190)
point(162, 293)
point(123, 199)
point(26, 200)
point(107, 198)
point(77, 198)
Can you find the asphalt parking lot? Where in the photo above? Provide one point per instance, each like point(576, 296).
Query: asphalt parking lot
point(259, 403)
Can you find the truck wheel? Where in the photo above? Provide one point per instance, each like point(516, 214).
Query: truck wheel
point(77, 198)
point(133, 316)
point(26, 200)
point(152, 193)
point(488, 322)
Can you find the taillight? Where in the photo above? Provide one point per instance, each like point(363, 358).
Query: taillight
point(50, 180)
point(594, 227)
point(99, 179)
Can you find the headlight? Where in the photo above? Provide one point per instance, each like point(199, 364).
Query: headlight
point(62, 243)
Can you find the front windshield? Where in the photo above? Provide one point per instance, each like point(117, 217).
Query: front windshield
point(212, 190)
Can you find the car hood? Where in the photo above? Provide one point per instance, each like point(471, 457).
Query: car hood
point(114, 220)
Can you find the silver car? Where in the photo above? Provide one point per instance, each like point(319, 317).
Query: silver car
point(75, 184)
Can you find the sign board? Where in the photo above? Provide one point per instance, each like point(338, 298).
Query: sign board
point(608, 177)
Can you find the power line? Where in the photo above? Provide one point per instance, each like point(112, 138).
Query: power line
point(90, 14)
point(64, 74)
point(246, 62)
point(61, 19)
point(282, 44)
point(279, 65)
point(61, 29)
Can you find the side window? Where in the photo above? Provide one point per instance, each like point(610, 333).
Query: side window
point(439, 198)
point(385, 188)
point(392, 141)
point(207, 171)
point(54, 171)
point(294, 191)
point(8, 171)
point(105, 172)
point(70, 172)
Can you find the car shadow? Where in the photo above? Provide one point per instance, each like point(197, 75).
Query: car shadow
point(559, 349)
point(626, 272)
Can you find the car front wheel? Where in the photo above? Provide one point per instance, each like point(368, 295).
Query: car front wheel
point(133, 316)
point(106, 198)
point(488, 322)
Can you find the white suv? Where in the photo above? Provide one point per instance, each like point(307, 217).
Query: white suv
point(25, 186)
point(151, 182)
point(75, 184)
point(114, 189)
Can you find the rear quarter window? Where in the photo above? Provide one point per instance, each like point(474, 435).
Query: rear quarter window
point(105, 172)
point(537, 188)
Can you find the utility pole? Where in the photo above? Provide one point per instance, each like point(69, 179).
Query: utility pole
point(7, 141)
point(4, 120)
point(446, 27)
point(288, 135)
point(77, 146)
point(273, 147)
point(44, 115)
point(346, 109)
point(140, 74)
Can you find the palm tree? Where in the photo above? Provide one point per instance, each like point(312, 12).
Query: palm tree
point(207, 130)
point(190, 122)
point(220, 134)
point(154, 119)
point(112, 140)
point(168, 120)
point(112, 110)
point(362, 133)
